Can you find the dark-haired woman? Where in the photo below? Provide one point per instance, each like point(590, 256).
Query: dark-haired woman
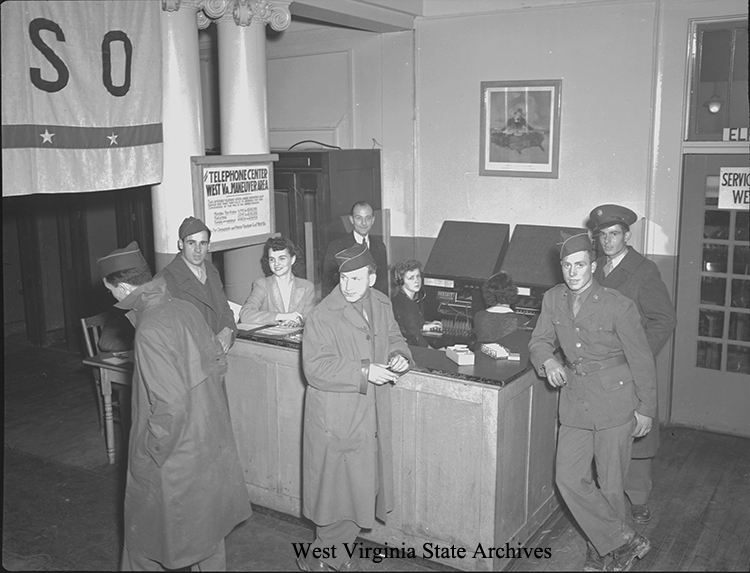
point(279, 297)
point(407, 303)
point(499, 318)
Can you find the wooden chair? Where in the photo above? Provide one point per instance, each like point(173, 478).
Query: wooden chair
point(92, 331)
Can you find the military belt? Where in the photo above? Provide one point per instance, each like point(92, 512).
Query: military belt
point(581, 367)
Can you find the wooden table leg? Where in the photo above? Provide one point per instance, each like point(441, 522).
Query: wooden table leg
point(109, 425)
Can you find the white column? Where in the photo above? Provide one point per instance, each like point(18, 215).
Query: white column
point(244, 112)
point(182, 121)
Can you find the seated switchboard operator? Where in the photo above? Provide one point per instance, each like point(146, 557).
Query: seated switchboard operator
point(407, 303)
point(499, 318)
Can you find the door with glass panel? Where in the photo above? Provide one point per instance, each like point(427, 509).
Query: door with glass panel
point(711, 384)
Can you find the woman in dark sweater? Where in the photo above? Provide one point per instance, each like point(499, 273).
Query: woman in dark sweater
point(499, 319)
point(407, 307)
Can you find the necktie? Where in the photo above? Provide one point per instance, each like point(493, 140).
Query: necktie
point(366, 241)
point(607, 268)
point(576, 303)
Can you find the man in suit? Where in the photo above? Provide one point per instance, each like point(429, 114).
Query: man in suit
point(607, 398)
point(192, 277)
point(362, 219)
point(625, 269)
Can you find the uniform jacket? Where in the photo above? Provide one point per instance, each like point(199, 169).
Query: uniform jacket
point(408, 314)
point(331, 267)
point(209, 298)
point(639, 279)
point(264, 301)
point(346, 417)
point(185, 490)
point(607, 326)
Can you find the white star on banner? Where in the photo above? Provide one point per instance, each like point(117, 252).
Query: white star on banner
point(112, 139)
point(46, 136)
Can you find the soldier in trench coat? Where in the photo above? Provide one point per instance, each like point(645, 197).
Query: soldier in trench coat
point(352, 349)
point(639, 279)
point(184, 491)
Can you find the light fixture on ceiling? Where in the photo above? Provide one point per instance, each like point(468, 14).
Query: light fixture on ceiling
point(714, 103)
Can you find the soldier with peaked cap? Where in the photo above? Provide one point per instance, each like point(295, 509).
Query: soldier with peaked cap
point(192, 277)
point(625, 269)
point(185, 490)
point(607, 384)
point(352, 350)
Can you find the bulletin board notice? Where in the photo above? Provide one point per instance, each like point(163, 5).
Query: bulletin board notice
point(233, 195)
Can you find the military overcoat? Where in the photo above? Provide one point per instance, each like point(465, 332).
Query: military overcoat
point(606, 327)
point(185, 489)
point(208, 298)
point(347, 453)
point(639, 279)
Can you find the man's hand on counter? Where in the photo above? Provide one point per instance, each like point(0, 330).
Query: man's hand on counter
point(225, 338)
point(379, 374)
point(555, 372)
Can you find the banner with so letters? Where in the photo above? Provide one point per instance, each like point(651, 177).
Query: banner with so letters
point(82, 95)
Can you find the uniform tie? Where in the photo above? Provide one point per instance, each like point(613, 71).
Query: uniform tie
point(608, 268)
point(576, 303)
point(366, 241)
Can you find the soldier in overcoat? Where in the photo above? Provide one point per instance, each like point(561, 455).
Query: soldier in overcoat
point(192, 277)
point(625, 269)
point(607, 397)
point(352, 350)
point(185, 490)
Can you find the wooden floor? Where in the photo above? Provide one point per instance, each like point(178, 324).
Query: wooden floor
point(700, 502)
point(700, 505)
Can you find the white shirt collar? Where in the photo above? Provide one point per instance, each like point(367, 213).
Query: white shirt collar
point(618, 259)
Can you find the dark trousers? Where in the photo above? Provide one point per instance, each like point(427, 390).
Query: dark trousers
point(599, 511)
point(134, 561)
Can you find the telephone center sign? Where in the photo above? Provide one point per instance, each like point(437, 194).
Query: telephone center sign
point(233, 195)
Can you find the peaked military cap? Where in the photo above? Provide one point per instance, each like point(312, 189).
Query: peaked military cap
point(605, 216)
point(191, 226)
point(128, 257)
point(574, 243)
point(353, 258)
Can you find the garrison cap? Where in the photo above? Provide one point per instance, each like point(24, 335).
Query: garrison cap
point(191, 226)
point(353, 258)
point(128, 257)
point(574, 243)
point(605, 216)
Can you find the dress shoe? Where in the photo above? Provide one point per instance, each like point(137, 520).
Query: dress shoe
point(311, 564)
point(640, 513)
point(594, 562)
point(623, 557)
point(350, 565)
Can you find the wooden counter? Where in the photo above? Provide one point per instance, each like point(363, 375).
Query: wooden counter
point(473, 461)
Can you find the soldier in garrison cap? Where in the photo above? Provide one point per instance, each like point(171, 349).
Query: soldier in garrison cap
point(607, 384)
point(184, 490)
point(625, 269)
point(352, 351)
point(192, 277)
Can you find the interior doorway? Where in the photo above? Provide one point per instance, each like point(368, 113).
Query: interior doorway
point(711, 382)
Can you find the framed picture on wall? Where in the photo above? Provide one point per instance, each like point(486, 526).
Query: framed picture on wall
point(520, 128)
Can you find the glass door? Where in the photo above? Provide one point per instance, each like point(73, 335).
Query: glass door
point(711, 386)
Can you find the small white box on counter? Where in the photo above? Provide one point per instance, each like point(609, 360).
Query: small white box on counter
point(460, 354)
